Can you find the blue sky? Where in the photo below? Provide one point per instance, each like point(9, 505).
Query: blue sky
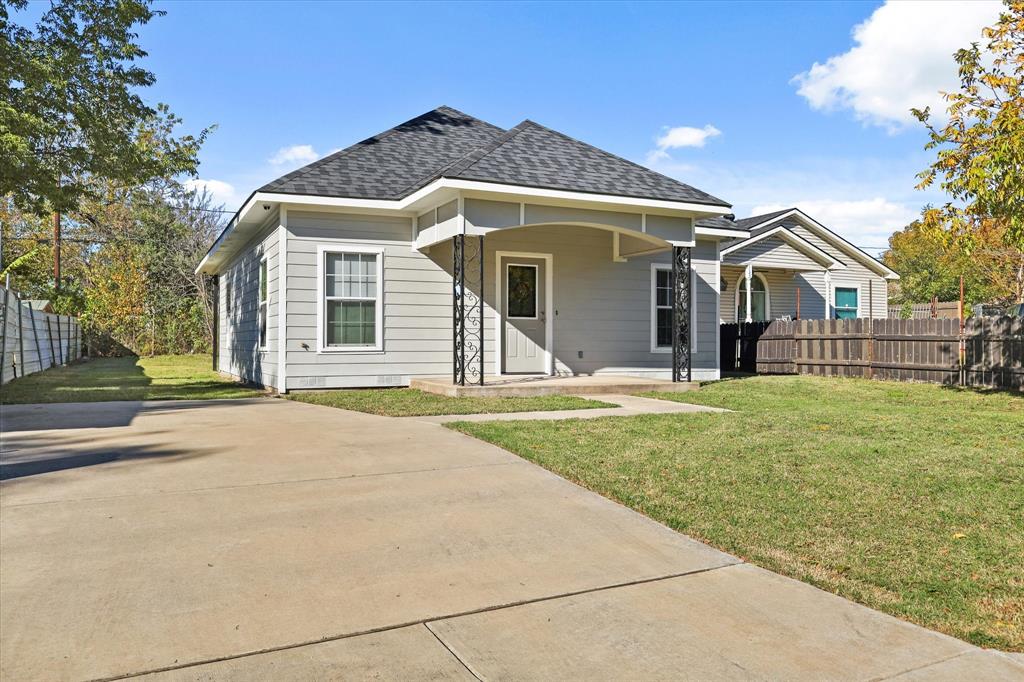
point(791, 106)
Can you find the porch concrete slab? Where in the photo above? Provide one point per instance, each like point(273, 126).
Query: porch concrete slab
point(145, 563)
point(628, 406)
point(518, 387)
point(409, 653)
point(737, 622)
point(973, 665)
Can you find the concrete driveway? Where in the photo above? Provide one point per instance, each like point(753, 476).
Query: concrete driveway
point(268, 539)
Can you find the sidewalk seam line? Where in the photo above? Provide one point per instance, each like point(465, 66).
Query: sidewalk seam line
point(454, 655)
point(421, 621)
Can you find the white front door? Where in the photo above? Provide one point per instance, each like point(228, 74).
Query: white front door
point(524, 318)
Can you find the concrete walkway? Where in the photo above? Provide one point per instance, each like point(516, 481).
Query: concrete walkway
point(274, 540)
point(628, 406)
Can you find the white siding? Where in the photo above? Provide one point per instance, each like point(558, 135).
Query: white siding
point(854, 274)
point(239, 353)
point(782, 288)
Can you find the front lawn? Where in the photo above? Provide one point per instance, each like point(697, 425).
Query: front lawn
point(410, 402)
point(164, 377)
point(906, 497)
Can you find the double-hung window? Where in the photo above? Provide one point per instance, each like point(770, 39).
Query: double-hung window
point(350, 282)
point(263, 303)
point(662, 317)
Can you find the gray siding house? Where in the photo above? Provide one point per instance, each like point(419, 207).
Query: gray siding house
point(447, 246)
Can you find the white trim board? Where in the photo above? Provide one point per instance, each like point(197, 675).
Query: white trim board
point(549, 304)
point(450, 188)
point(788, 237)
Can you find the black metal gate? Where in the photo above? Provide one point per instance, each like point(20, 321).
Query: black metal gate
point(739, 345)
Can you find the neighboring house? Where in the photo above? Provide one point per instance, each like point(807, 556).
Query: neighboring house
point(793, 266)
point(365, 268)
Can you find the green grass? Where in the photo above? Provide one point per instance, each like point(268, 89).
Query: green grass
point(906, 497)
point(164, 377)
point(409, 402)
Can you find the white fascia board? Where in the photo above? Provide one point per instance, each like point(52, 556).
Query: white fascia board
point(794, 240)
point(703, 210)
point(721, 232)
point(838, 241)
point(443, 184)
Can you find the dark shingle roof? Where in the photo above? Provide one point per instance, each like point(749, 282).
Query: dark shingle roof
point(392, 164)
point(448, 143)
point(747, 223)
point(721, 222)
point(534, 156)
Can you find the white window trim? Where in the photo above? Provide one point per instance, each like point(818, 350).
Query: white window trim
point(655, 348)
point(841, 285)
point(742, 285)
point(263, 343)
point(321, 259)
point(536, 289)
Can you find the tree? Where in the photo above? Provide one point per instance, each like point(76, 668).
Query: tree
point(931, 265)
point(980, 152)
point(69, 108)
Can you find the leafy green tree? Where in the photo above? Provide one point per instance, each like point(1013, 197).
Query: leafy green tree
point(70, 110)
point(980, 150)
point(930, 265)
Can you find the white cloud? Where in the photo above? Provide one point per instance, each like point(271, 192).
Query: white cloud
point(686, 136)
point(221, 192)
point(865, 222)
point(902, 58)
point(296, 155)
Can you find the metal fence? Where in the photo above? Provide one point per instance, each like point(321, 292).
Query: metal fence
point(738, 345)
point(34, 340)
point(988, 352)
point(948, 310)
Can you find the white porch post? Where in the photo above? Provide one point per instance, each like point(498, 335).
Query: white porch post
point(828, 295)
point(748, 274)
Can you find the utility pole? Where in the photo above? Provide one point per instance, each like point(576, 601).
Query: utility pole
point(56, 252)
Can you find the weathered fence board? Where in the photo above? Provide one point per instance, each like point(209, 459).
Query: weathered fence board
point(33, 340)
point(898, 350)
point(738, 343)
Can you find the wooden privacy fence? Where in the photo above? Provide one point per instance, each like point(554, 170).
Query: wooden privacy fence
point(899, 350)
point(33, 340)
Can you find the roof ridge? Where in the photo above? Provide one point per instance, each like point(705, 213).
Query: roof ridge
point(620, 158)
point(299, 172)
point(473, 157)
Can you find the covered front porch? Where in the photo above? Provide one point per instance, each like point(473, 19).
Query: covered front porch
point(552, 298)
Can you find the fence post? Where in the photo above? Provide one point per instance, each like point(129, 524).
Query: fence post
point(49, 334)
point(35, 337)
point(871, 346)
point(21, 337)
point(3, 336)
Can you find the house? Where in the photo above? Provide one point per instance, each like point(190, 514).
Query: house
point(789, 265)
point(447, 246)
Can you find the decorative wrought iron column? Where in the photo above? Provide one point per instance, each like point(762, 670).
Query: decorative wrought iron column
point(468, 309)
point(682, 296)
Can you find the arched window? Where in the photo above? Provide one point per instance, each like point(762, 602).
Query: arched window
point(759, 301)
